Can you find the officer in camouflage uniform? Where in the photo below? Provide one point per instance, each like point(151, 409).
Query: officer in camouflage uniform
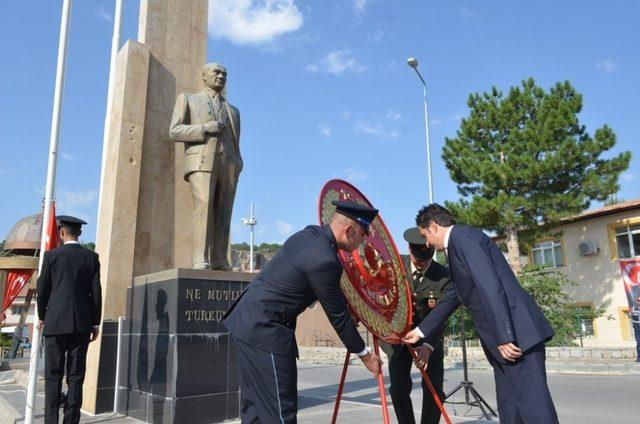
point(428, 281)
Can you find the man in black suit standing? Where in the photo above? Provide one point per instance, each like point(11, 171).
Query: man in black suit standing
point(510, 324)
point(69, 308)
point(429, 282)
point(262, 321)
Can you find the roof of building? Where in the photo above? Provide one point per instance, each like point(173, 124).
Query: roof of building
point(25, 234)
point(603, 211)
point(595, 213)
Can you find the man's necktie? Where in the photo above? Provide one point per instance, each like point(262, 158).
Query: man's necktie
point(417, 275)
point(217, 106)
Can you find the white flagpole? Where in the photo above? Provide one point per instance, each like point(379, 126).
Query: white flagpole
point(115, 46)
point(51, 180)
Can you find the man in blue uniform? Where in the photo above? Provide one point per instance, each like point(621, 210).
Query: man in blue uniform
point(429, 282)
point(69, 308)
point(262, 321)
point(510, 324)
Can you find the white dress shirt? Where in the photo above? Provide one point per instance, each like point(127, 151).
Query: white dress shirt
point(446, 252)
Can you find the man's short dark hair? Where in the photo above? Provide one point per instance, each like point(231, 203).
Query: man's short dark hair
point(72, 231)
point(436, 213)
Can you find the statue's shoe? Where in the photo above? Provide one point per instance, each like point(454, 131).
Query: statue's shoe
point(223, 268)
point(201, 265)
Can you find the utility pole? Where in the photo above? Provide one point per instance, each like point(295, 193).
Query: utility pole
point(251, 222)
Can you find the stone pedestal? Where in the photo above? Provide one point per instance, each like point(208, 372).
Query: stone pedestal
point(177, 363)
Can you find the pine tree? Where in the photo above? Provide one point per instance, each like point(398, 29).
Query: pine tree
point(524, 159)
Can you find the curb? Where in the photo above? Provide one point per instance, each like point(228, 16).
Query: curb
point(578, 366)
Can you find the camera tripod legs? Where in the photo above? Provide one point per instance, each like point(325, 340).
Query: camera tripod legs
point(478, 400)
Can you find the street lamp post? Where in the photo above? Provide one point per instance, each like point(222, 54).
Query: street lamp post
point(251, 222)
point(413, 62)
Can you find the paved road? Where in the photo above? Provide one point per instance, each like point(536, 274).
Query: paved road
point(580, 399)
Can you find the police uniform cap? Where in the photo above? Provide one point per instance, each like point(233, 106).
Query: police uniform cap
point(69, 221)
point(363, 215)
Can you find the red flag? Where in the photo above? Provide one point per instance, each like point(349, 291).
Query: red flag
point(51, 238)
point(631, 277)
point(16, 280)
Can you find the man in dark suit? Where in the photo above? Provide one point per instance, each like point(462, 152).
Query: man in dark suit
point(428, 281)
point(69, 308)
point(262, 321)
point(510, 324)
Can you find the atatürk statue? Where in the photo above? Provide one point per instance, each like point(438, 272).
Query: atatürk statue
point(210, 130)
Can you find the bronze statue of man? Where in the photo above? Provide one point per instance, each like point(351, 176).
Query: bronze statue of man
point(209, 127)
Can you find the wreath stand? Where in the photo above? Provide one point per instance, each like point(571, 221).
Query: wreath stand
point(381, 389)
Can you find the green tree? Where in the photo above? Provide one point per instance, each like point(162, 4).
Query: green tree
point(269, 249)
point(90, 245)
point(524, 159)
point(240, 246)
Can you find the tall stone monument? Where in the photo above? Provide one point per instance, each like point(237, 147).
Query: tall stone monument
point(144, 234)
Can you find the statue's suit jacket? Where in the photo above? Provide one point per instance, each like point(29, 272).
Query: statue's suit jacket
point(69, 293)
point(305, 269)
point(484, 283)
point(190, 113)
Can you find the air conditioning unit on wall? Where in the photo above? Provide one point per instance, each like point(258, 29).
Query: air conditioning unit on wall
point(589, 247)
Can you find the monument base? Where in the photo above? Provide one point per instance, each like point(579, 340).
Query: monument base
point(177, 363)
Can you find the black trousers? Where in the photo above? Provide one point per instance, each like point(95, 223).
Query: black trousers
point(521, 389)
point(400, 364)
point(64, 351)
point(268, 385)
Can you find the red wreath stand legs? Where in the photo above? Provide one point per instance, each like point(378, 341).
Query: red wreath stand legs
point(381, 389)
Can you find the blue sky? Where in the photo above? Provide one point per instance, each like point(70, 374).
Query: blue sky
point(324, 92)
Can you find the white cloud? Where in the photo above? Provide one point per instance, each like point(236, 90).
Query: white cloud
point(325, 129)
point(101, 13)
point(359, 6)
point(345, 114)
point(336, 62)
point(628, 176)
point(354, 175)
point(68, 157)
point(253, 21)
point(455, 118)
point(75, 202)
point(467, 12)
point(284, 228)
point(393, 115)
point(607, 65)
point(375, 130)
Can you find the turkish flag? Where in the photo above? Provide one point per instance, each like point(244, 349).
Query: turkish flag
point(51, 238)
point(631, 277)
point(16, 280)
point(630, 271)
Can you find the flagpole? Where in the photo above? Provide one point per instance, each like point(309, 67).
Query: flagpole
point(50, 186)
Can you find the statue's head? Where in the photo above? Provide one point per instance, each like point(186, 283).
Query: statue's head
point(214, 76)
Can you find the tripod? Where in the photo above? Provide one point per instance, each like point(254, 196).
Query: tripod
point(465, 383)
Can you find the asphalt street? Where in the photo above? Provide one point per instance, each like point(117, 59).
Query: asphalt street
point(578, 398)
point(609, 399)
